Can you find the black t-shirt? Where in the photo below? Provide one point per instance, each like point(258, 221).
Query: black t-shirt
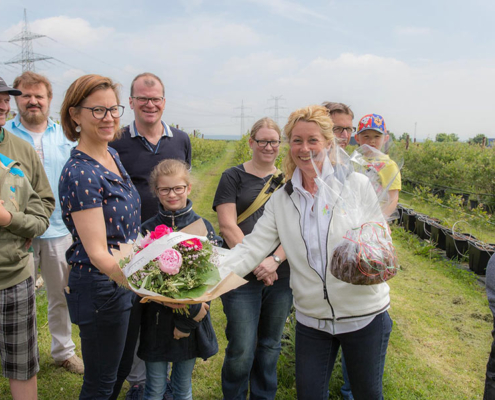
point(241, 188)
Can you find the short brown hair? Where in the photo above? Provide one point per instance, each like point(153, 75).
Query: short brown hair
point(316, 114)
point(147, 82)
point(336, 108)
point(264, 123)
point(169, 167)
point(80, 89)
point(30, 78)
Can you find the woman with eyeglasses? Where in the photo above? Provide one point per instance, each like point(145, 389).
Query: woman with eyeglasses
point(101, 208)
point(256, 312)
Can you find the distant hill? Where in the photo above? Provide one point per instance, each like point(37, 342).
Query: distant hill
point(222, 137)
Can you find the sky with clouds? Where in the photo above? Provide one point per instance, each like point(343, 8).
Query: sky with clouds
point(428, 64)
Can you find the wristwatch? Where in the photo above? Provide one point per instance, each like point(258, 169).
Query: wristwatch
point(277, 259)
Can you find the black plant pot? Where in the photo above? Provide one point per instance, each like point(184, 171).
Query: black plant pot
point(420, 228)
point(409, 220)
point(456, 244)
point(438, 233)
point(438, 192)
point(479, 255)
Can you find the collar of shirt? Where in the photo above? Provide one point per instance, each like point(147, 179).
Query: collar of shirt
point(1, 134)
point(18, 124)
point(166, 130)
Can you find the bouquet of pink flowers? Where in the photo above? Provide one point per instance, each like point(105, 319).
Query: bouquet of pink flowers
point(172, 264)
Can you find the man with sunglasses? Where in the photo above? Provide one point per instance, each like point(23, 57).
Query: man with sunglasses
point(34, 125)
point(142, 145)
point(342, 116)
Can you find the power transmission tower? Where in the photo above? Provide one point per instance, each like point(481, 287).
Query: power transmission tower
point(27, 58)
point(242, 116)
point(276, 107)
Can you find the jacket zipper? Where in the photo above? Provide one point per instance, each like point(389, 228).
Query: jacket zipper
point(325, 291)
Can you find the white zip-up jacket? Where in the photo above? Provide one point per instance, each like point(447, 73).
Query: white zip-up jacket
point(324, 298)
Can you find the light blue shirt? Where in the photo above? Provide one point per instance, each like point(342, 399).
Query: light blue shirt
point(56, 150)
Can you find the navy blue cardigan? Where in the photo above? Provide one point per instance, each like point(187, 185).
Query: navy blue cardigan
point(157, 341)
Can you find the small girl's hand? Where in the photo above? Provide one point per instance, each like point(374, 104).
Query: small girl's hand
point(202, 313)
point(179, 334)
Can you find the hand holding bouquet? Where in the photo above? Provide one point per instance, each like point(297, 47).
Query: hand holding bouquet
point(168, 266)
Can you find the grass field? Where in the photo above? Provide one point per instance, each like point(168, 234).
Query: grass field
point(438, 348)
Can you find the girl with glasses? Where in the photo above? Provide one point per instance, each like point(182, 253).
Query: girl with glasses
point(168, 337)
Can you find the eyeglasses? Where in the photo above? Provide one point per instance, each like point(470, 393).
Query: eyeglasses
point(264, 143)
point(100, 112)
point(339, 129)
point(164, 191)
point(142, 101)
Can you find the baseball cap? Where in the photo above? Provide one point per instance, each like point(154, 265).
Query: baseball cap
point(8, 89)
point(374, 122)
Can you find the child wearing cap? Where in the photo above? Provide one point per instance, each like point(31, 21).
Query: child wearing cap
point(373, 132)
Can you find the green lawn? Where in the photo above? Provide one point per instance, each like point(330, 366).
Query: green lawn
point(438, 348)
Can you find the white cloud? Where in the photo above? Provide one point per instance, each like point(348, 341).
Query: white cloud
point(255, 67)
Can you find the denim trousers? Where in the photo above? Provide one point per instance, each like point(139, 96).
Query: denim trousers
point(490, 372)
point(256, 316)
point(364, 351)
point(101, 308)
point(346, 387)
point(181, 379)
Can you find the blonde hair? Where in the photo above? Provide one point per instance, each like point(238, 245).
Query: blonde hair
point(30, 78)
point(316, 114)
point(264, 123)
point(169, 167)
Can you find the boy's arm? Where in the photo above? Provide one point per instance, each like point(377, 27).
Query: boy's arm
point(30, 223)
point(393, 199)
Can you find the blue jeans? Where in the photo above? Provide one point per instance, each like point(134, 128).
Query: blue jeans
point(346, 387)
point(364, 352)
point(490, 372)
point(156, 379)
point(101, 309)
point(256, 316)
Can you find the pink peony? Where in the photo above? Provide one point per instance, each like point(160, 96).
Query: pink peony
point(170, 261)
point(192, 243)
point(160, 230)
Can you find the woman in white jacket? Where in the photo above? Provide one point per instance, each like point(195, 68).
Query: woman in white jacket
point(330, 313)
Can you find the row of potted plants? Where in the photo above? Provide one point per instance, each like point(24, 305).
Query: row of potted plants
point(455, 244)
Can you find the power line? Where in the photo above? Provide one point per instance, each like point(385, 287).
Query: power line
point(242, 116)
point(276, 107)
point(27, 57)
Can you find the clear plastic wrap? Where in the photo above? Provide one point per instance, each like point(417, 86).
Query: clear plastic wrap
point(365, 254)
point(383, 170)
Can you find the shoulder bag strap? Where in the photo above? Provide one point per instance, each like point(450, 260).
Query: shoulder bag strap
point(270, 187)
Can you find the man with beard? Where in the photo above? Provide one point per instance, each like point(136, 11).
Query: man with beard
point(34, 125)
